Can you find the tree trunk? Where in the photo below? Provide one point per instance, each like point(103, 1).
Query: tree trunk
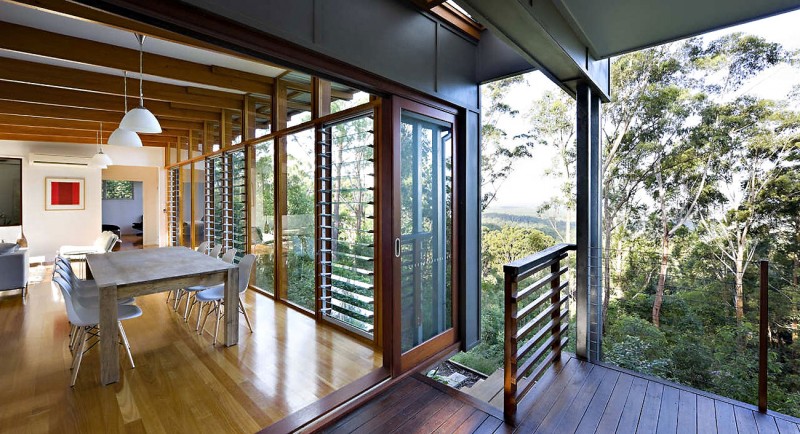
point(662, 279)
point(738, 296)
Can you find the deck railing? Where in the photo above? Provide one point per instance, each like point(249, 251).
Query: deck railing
point(536, 320)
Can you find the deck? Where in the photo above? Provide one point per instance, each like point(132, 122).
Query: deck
point(572, 397)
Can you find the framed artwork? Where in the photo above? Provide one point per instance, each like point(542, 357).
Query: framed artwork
point(64, 194)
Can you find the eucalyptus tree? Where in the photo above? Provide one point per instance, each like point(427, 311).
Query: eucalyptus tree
point(499, 151)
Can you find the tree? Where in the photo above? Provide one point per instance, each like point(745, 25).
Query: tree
point(499, 153)
point(552, 119)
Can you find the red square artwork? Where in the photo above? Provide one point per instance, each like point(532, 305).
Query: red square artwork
point(65, 193)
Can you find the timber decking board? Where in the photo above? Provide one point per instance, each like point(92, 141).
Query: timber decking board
point(573, 397)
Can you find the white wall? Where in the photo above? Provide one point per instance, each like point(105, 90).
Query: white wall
point(46, 231)
point(123, 212)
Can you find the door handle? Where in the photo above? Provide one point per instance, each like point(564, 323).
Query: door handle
point(397, 247)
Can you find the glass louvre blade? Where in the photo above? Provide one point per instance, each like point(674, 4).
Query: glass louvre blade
point(346, 192)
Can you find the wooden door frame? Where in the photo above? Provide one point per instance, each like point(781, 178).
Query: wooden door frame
point(404, 361)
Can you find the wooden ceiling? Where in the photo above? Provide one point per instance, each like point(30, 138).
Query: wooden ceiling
point(59, 103)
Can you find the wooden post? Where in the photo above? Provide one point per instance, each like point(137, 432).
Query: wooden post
point(510, 350)
point(554, 300)
point(763, 319)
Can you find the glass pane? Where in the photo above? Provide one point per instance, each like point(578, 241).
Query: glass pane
point(343, 98)
point(199, 202)
point(215, 206)
point(238, 205)
point(347, 243)
point(298, 223)
point(425, 214)
point(186, 206)
point(263, 116)
point(174, 205)
point(262, 231)
point(298, 98)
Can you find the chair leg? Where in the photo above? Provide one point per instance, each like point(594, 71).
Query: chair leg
point(169, 295)
point(73, 335)
point(125, 343)
point(211, 307)
point(78, 357)
point(189, 311)
point(216, 328)
point(186, 309)
point(199, 314)
point(79, 333)
point(246, 316)
point(178, 295)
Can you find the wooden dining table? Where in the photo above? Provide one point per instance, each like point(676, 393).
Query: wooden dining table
point(135, 273)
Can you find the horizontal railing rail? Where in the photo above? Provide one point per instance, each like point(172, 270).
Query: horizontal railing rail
point(536, 320)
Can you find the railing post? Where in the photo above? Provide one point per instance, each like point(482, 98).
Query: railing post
point(763, 319)
point(555, 284)
point(510, 349)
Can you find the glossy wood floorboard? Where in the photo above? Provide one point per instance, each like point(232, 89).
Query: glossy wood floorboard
point(181, 382)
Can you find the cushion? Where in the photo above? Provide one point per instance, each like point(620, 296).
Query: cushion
point(6, 248)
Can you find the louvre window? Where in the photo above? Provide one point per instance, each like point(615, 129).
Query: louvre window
point(345, 216)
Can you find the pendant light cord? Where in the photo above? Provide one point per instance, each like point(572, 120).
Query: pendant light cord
point(126, 90)
point(140, 38)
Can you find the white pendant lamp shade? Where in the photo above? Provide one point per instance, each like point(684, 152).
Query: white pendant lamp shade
point(101, 160)
point(123, 137)
point(140, 120)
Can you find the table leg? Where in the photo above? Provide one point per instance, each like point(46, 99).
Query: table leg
point(232, 307)
point(109, 357)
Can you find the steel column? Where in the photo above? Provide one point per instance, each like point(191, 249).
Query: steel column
point(588, 222)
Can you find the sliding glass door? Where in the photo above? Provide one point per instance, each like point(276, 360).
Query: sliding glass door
point(424, 242)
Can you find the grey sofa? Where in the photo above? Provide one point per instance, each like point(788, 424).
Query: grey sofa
point(13, 268)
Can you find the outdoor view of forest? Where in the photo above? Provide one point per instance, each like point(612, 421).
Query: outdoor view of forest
point(700, 182)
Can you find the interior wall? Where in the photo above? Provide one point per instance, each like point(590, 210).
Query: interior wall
point(46, 231)
point(150, 173)
point(123, 212)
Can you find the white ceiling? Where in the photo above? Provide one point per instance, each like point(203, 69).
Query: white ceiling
point(52, 22)
point(613, 27)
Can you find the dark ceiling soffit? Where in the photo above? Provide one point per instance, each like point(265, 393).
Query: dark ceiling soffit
point(191, 21)
point(693, 34)
point(555, 49)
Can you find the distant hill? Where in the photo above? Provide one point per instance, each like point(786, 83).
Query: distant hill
point(499, 217)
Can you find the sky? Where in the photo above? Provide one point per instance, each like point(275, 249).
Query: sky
point(773, 83)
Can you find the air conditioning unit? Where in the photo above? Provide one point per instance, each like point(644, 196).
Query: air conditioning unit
point(58, 160)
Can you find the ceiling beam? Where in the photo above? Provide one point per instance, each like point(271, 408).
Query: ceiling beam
point(66, 139)
point(171, 135)
point(16, 108)
point(43, 43)
point(69, 124)
point(74, 98)
point(337, 94)
point(39, 73)
point(98, 16)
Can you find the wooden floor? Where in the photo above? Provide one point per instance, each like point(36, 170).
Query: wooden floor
point(574, 397)
point(420, 405)
point(181, 382)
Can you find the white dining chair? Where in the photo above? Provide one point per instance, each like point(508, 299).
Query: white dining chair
point(214, 297)
point(180, 293)
point(228, 257)
point(87, 322)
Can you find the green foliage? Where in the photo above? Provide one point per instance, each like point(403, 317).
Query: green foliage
point(116, 190)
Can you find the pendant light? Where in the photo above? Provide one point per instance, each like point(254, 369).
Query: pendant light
point(121, 136)
point(100, 159)
point(140, 119)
